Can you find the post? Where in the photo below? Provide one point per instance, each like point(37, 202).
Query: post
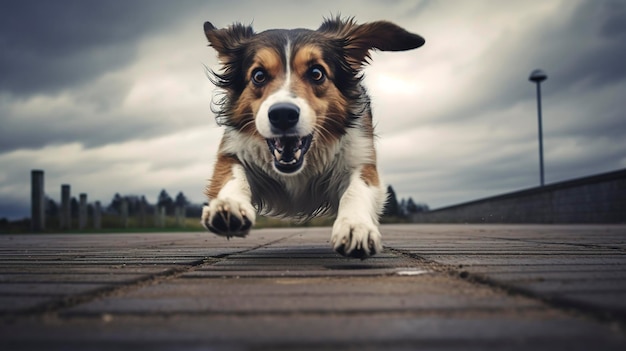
point(540, 133)
point(183, 214)
point(82, 212)
point(161, 216)
point(124, 214)
point(537, 76)
point(180, 216)
point(156, 216)
point(38, 201)
point(142, 213)
point(66, 209)
point(177, 215)
point(97, 216)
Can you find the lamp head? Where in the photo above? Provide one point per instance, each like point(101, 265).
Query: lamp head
point(537, 76)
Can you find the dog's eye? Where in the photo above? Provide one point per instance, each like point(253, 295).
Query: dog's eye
point(259, 77)
point(316, 74)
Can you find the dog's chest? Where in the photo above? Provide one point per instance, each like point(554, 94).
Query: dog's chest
point(303, 196)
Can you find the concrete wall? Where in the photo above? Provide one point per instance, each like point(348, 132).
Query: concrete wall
point(595, 199)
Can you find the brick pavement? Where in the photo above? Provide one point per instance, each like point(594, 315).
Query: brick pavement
point(441, 287)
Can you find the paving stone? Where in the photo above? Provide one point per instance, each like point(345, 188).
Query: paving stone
point(56, 289)
point(314, 332)
point(285, 289)
point(63, 278)
point(21, 302)
point(320, 295)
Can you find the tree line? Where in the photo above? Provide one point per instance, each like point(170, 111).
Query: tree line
point(135, 203)
point(138, 205)
point(394, 208)
point(403, 208)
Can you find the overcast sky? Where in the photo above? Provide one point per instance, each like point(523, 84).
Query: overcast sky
point(112, 97)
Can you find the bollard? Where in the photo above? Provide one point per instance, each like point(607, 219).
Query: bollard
point(177, 216)
point(97, 216)
point(162, 217)
point(124, 214)
point(38, 202)
point(180, 216)
point(156, 216)
point(142, 214)
point(66, 209)
point(82, 212)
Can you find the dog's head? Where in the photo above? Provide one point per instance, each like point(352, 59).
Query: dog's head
point(297, 89)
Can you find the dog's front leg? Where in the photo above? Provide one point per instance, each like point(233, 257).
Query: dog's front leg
point(230, 211)
point(355, 232)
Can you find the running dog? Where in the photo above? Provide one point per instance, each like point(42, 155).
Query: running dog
point(299, 139)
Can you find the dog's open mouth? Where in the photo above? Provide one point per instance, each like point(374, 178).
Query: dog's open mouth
point(289, 152)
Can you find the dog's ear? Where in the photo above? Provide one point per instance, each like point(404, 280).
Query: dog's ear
point(359, 39)
point(227, 40)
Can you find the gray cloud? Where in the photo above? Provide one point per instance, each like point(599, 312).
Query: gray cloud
point(65, 77)
point(51, 45)
point(584, 47)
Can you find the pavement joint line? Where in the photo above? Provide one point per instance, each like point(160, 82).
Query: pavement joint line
point(399, 311)
point(305, 274)
point(614, 318)
point(51, 309)
point(572, 307)
point(590, 246)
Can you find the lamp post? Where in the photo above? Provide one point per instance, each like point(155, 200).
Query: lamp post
point(539, 76)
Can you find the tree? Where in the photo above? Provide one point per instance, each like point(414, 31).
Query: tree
point(412, 207)
point(402, 208)
point(165, 200)
point(116, 204)
point(181, 200)
point(143, 203)
point(422, 207)
point(74, 207)
point(52, 209)
point(391, 206)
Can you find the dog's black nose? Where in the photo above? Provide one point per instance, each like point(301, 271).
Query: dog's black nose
point(284, 115)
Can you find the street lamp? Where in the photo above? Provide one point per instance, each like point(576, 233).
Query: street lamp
point(539, 76)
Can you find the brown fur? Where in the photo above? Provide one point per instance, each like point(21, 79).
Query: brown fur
point(369, 174)
point(326, 100)
point(222, 172)
point(252, 96)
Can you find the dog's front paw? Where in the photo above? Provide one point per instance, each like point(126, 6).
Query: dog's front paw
point(355, 238)
point(228, 217)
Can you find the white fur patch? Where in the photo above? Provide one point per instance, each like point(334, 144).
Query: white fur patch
point(283, 95)
point(306, 121)
point(237, 187)
point(234, 199)
point(356, 226)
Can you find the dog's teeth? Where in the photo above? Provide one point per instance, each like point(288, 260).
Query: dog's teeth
point(297, 154)
point(277, 154)
point(277, 143)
